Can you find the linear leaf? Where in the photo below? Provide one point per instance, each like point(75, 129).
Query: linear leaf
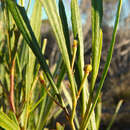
point(115, 114)
point(7, 123)
point(36, 25)
point(13, 117)
point(36, 19)
point(54, 19)
point(77, 31)
point(65, 26)
point(97, 12)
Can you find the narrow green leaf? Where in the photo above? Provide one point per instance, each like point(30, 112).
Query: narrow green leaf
point(115, 114)
point(29, 3)
point(54, 19)
point(63, 17)
point(13, 117)
point(100, 47)
point(36, 19)
point(97, 12)
point(77, 31)
point(42, 117)
point(36, 25)
point(33, 107)
point(7, 123)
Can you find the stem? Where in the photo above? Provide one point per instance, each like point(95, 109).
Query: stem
point(83, 123)
point(73, 113)
point(47, 90)
point(74, 100)
point(72, 125)
point(87, 69)
point(82, 85)
point(64, 109)
point(12, 104)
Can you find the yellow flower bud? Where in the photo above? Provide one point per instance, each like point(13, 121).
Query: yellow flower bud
point(88, 68)
point(75, 42)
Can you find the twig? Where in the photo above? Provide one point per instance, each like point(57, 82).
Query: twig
point(47, 90)
point(87, 69)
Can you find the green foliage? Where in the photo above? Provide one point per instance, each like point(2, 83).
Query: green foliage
point(115, 114)
point(7, 123)
point(29, 88)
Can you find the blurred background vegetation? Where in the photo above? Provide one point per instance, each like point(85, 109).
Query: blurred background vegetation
point(117, 84)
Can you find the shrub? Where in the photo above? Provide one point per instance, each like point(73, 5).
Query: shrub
point(30, 90)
